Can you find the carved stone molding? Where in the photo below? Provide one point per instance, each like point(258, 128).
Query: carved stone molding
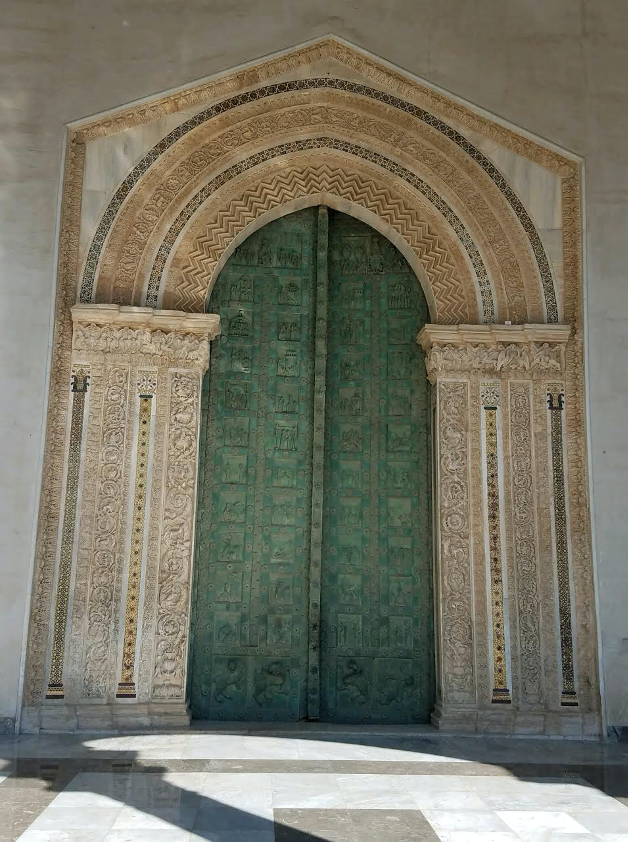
point(206, 325)
point(493, 348)
point(142, 332)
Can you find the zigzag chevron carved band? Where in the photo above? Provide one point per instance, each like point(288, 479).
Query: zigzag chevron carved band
point(444, 276)
point(154, 284)
point(337, 84)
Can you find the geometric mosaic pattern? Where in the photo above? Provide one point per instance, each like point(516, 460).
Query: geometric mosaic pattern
point(490, 401)
point(79, 384)
point(147, 385)
point(555, 406)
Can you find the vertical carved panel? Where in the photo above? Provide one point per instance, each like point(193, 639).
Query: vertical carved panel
point(107, 537)
point(176, 537)
point(80, 380)
point(525, 543)
point(456, 643)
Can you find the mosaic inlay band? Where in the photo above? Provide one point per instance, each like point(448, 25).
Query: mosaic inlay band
point(318, 468)
point(106, 222)
point(79, 384)
point(147, 385)
point(556, 405)
point(205, 192)
point(490, 402)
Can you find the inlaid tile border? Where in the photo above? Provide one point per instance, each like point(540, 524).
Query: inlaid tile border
point(555, 408)
point(490, 396)
point(78, 390)
point(146, 387)
point(131, 180)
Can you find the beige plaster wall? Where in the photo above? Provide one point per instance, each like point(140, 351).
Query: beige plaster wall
point(558, 68)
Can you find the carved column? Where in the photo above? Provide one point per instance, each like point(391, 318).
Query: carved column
point(119, 637)
point(504, 604)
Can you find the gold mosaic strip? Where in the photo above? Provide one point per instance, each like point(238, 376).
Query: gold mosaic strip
point(490, 401)
point(555, 405)
point(147, 385)
point(79, 384)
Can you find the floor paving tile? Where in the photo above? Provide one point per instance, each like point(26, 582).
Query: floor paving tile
point(293, 784)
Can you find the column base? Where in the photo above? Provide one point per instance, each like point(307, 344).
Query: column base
point(500, 719)
point(105, 718)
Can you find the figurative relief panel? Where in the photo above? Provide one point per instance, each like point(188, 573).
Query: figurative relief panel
point(231, 546)
point(237, 432)
point(286, 398)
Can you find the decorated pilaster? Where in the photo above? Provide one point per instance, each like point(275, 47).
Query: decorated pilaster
point(118, 648)
point(505, 624)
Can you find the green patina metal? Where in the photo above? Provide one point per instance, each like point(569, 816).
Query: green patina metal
point(312, 592)
point(377, 658)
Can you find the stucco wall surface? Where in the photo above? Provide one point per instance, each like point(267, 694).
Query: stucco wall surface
point(558, 68)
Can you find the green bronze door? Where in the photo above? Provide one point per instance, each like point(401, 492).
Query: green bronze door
point(312, 594)
point(376, 653)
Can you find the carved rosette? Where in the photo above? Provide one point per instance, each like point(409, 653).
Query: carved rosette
point(128, 350)
point(491, 570)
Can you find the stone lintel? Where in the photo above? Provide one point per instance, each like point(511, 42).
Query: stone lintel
point(460, 336)
point(206, 325)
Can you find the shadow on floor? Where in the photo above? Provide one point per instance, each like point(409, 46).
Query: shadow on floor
point(127, 777)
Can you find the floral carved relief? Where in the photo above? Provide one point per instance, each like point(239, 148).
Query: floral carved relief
point(105, 559)
point(146, 344)
point(525, 543)
point(455, 544)
point(500, 357)
point(173, 586)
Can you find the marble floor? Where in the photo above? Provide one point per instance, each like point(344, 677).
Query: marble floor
point(310, 783)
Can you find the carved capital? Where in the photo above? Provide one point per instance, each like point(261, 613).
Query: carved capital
point(159, 336)
point(493, 348)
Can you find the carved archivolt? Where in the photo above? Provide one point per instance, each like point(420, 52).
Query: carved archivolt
point(461, 189)
point(193, 267)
